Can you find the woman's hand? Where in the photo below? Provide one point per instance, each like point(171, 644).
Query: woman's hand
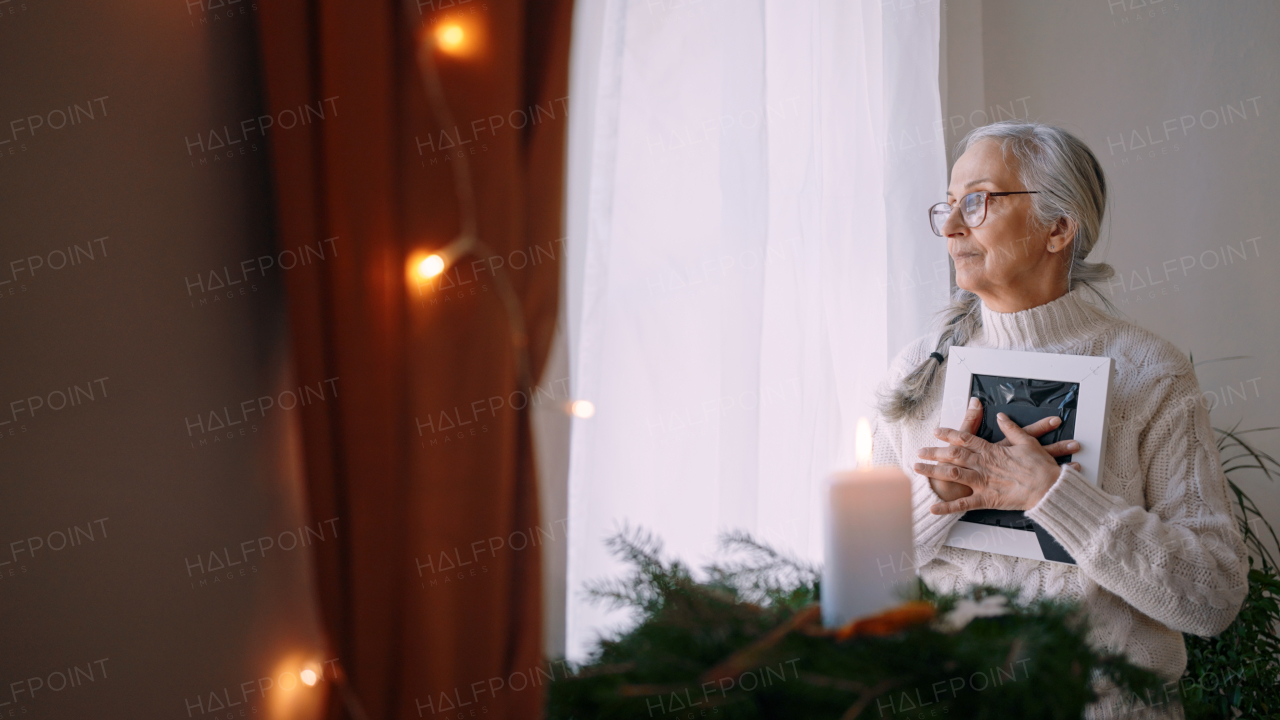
point(1012, 474)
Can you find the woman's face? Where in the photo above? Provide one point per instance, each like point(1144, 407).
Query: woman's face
point(1005, 260)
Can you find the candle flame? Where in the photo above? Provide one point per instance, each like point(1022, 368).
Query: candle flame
point(862, 443)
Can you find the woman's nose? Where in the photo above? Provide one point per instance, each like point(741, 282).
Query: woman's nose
point(954, 224)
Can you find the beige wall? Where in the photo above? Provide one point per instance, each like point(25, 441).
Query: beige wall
point(157, 353)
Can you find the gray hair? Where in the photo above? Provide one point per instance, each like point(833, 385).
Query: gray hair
point(1071, 185)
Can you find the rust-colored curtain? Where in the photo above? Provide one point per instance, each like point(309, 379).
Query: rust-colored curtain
point(410, 635)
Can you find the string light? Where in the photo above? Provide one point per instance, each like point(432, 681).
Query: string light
point(450, 38)
point(292, 691)
point(431, 266)
point(423, 265)
point(582, 409)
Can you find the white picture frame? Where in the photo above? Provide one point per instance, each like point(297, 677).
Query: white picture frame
point(1093, 374)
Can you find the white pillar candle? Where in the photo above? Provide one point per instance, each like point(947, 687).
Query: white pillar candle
point(868, 542)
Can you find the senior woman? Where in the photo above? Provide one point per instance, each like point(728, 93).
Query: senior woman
point(1157, 548)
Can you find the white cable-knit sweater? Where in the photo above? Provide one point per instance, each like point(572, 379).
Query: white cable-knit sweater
point(1158, 549)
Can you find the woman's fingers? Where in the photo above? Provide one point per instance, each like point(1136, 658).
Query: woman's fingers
point(1012, 432)
point(1007, 476)
point(948, 472)
point(973, 416)
point(960, 437)
point(1062, 447)
point(964, 504)
point(1039, 427)
point(972, 422)
point(950, 454)
point(948, 490)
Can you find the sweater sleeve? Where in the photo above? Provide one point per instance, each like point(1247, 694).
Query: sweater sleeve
point(930, 530)
point(1180, 560)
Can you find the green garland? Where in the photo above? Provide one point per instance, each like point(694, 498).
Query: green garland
point(732, 647)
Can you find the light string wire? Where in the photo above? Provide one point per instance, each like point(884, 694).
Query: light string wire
point(466, 243)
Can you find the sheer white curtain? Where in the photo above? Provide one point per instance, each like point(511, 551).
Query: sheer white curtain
point(747, 249)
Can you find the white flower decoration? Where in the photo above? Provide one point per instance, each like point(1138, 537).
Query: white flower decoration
point(966, 610)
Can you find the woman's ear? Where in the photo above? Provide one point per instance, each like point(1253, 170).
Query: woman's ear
point(1062, 234)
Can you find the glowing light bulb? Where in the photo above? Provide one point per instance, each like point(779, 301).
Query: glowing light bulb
point(582, 408)
point(431, 266)
point(309, 676)
point(450, 37)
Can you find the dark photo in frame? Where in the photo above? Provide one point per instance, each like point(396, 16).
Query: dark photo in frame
point(1028, 387)
point(1025, 401)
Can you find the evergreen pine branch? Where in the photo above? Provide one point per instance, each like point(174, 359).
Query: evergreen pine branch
point(774, 665)
point(652, 582)
point(760, 574)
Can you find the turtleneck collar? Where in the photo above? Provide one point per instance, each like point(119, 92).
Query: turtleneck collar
point(1052, 326)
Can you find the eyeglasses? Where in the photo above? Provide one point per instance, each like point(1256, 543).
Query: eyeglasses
point(973, 209)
